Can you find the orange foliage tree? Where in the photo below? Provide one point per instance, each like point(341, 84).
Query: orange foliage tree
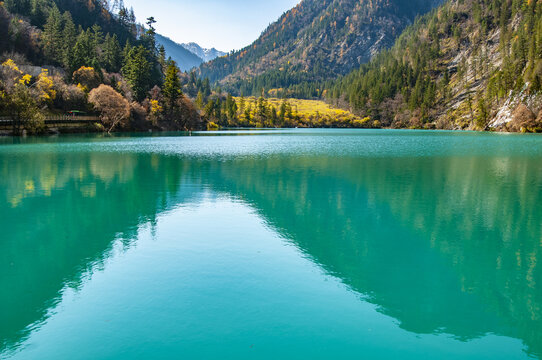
point(114, 108)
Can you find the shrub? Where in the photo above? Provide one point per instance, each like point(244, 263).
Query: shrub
point(87, 77)
point(189, 117)
point(69, 97)
point(211, 126)
point(35, 123)
point(138, 114)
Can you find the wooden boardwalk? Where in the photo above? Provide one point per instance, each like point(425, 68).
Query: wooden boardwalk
point(58, 120)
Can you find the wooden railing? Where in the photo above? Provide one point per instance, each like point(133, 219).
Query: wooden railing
point(58, 119)
point(72, 118)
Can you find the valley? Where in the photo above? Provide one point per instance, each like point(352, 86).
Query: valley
point(362, 179)
point(426, 64)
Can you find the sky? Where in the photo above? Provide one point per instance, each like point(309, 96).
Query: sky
point(223, 24)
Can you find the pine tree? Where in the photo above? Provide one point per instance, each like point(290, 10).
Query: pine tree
point(84, 52)
point(39, 10)
point(172, 87)
point(483, 114)
point(126, 51)
point(97, 36)
point(69, 36)
point(231, 108)
point(18, 6)
point(52, 36)
point(112, 54)
point(132, 22)
point(199, 100)
point(206, 88)
point(123, 14)
point(242, 103)
point(162, 57)
point(149, 39)
point(137, 71)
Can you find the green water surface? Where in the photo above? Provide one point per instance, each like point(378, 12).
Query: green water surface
point(295, 244)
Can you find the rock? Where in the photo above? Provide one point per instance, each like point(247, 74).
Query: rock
point(522, 119)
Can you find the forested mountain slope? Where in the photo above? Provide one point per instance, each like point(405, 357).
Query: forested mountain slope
point(89, 56)
point(314, 42)
point(185, 59)
point(471, 64)
point(22, 22)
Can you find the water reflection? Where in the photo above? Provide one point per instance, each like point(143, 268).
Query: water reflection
point(442, 244)
point(60, 215)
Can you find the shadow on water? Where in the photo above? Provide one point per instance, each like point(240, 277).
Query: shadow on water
point(442, 244)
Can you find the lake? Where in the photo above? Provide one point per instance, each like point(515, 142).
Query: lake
point(290, 244)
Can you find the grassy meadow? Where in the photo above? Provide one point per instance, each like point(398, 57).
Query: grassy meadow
point(274, 112)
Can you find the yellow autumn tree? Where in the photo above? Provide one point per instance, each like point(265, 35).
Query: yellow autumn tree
point(19, 99)
point(45, 87)
point(87, 78)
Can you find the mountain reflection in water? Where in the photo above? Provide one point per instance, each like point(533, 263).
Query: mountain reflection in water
point(441, 243)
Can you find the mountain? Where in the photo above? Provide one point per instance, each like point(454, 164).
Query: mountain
point(187, 56)
point(205, 54)
point(314, 42)
point(184, 58)
point(471, 64)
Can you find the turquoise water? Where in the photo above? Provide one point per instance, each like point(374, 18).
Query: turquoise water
point(290, 244)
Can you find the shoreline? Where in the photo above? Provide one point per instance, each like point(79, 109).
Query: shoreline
point(128, 133)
